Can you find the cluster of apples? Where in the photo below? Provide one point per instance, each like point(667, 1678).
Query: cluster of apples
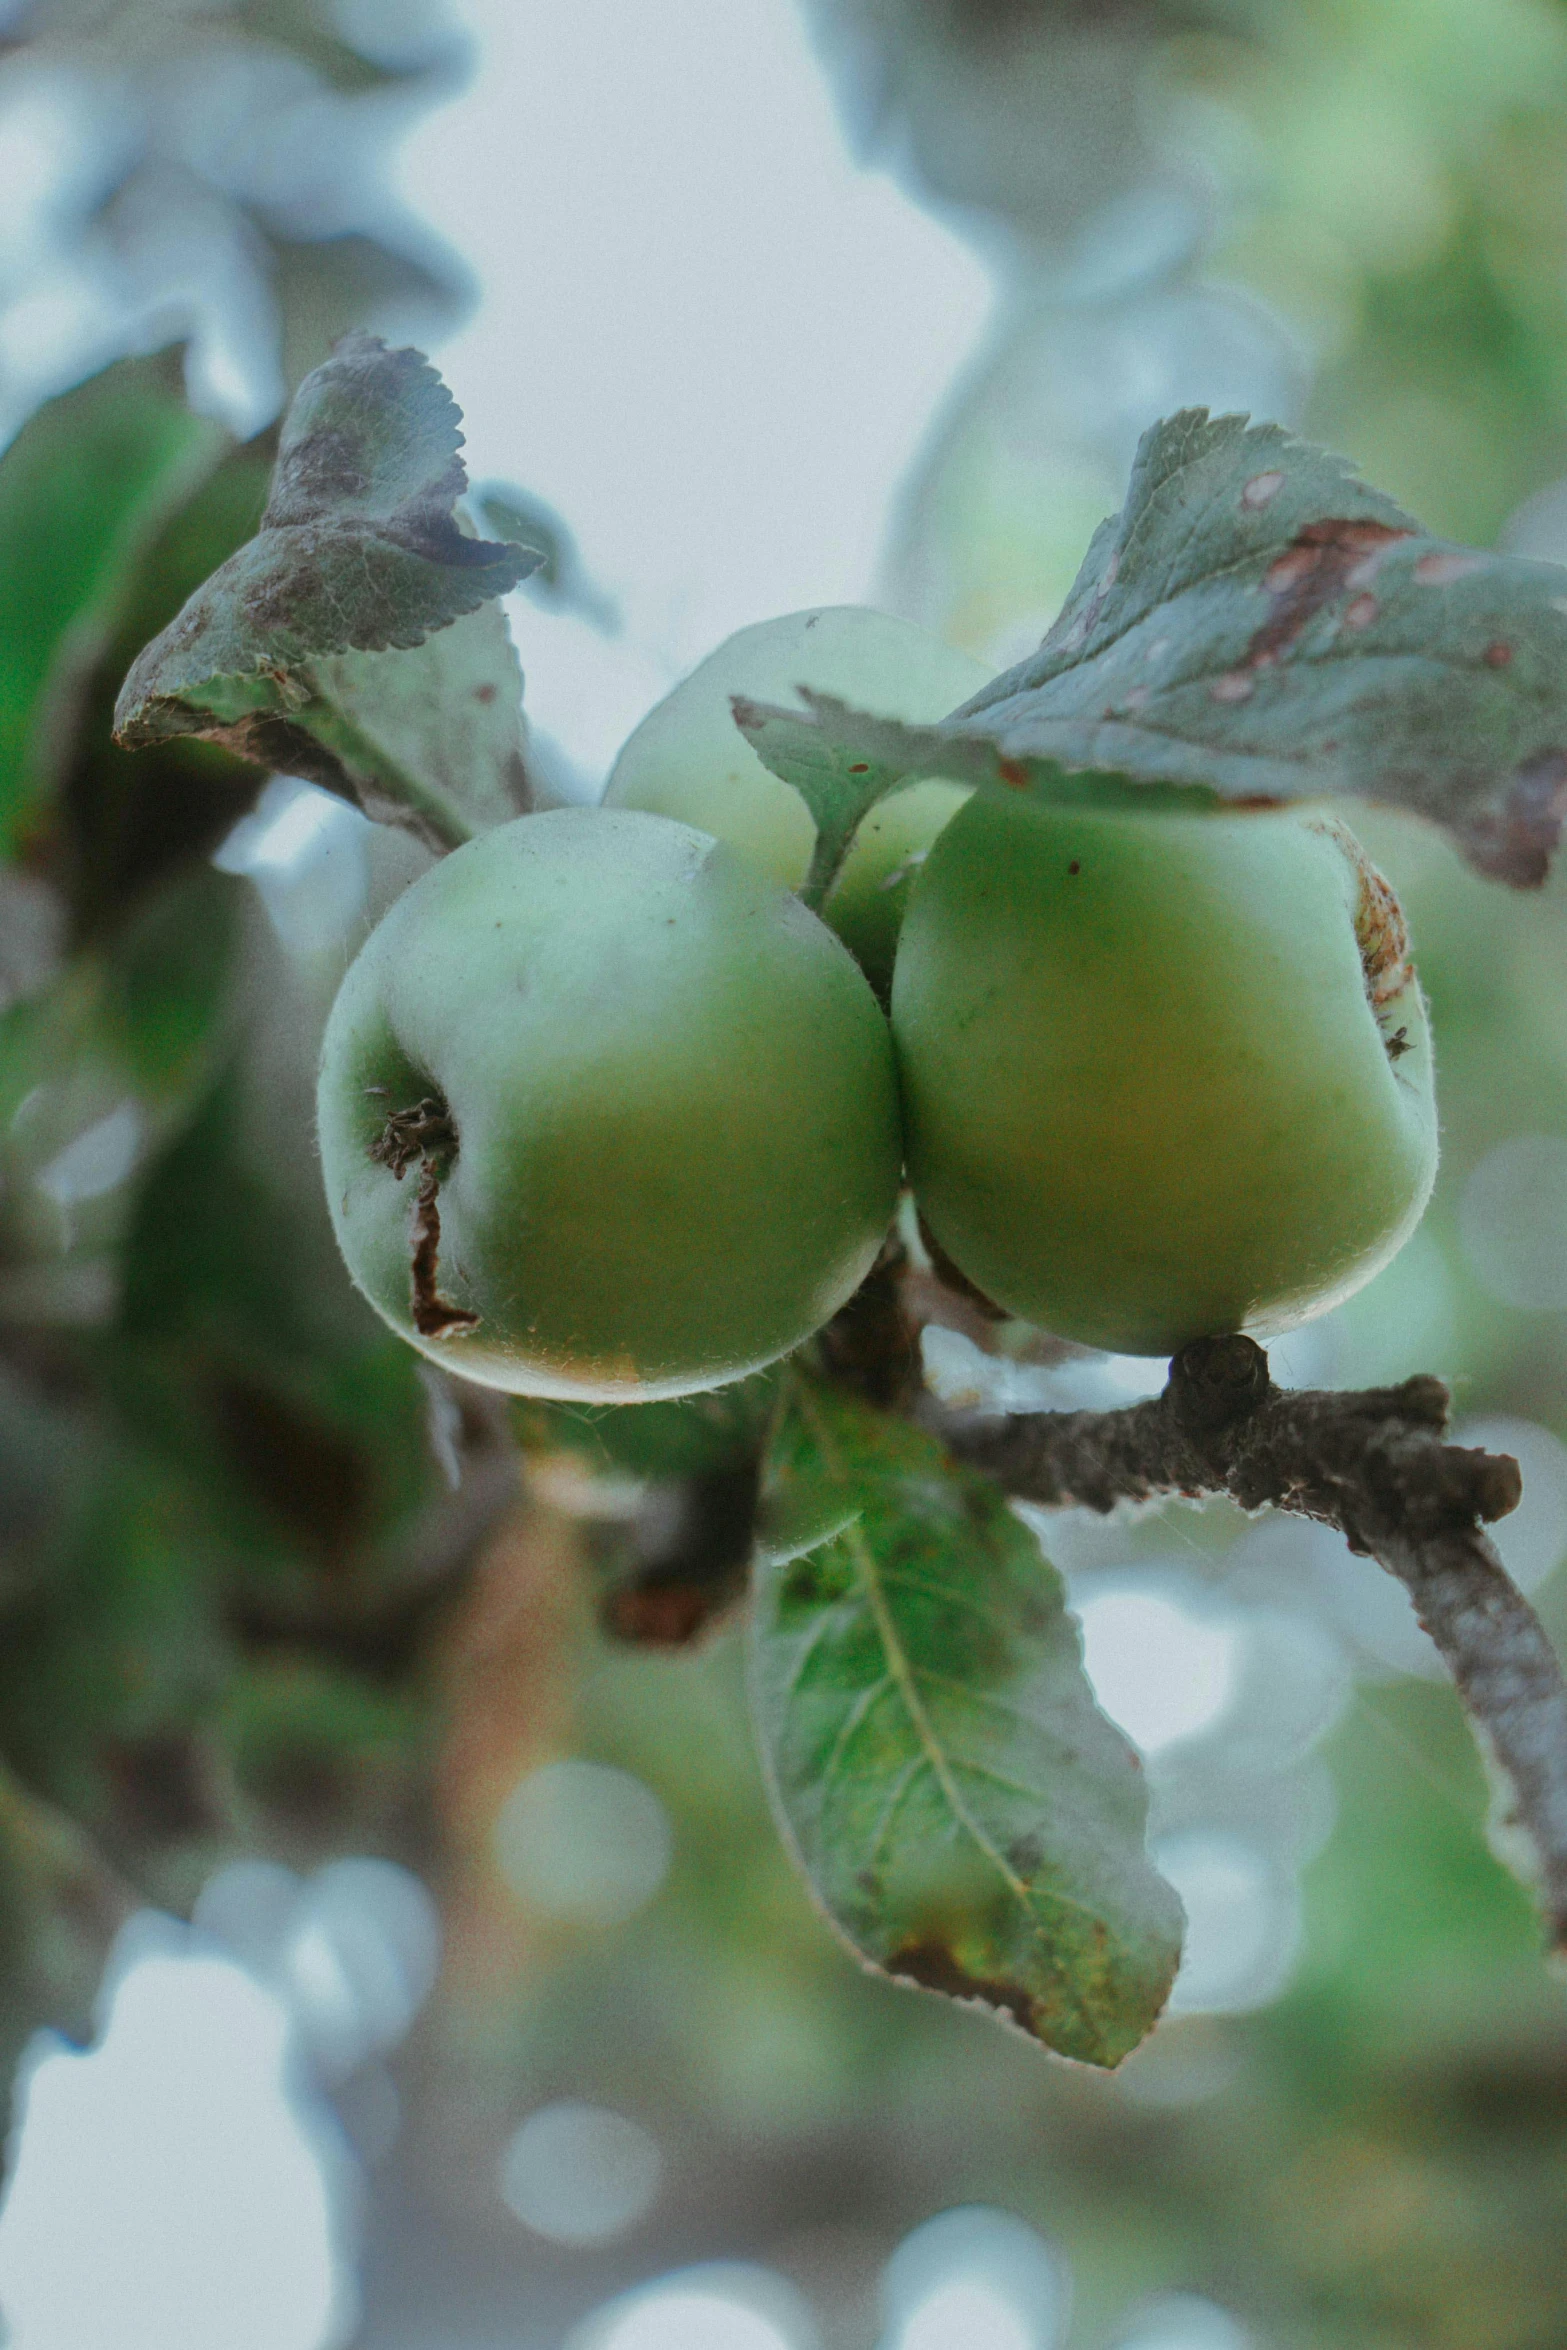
point(607, 1113)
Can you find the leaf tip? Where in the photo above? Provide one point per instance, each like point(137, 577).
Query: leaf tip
point(1516, 842)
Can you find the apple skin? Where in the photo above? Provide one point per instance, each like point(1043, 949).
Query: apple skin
point(1147, 1096)
point(674, 1138)
point(689, 760)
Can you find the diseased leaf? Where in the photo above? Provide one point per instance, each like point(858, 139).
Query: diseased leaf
point(84, 489)
point(359, 554)
point(967, 1816)
point(1258, 621)
point(843, 761)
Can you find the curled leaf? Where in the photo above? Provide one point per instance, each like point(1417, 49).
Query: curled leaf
point(359, 553)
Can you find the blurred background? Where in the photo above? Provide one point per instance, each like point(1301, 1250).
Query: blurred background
point(388, 1955)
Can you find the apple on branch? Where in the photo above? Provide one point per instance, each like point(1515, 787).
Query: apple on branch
point(1165, 1068)
point(606, 1114)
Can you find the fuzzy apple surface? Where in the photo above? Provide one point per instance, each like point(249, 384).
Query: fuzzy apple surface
point(688, 759)
point(604, 1113)
point(1165, 1074)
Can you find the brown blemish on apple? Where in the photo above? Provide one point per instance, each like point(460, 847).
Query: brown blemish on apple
point(434, 1315)
point(1498, 655)
point(425, 1133)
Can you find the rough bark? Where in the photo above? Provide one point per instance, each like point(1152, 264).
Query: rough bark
point(1376, 1465)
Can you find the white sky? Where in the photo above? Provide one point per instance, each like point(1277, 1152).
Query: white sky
point(708, 338)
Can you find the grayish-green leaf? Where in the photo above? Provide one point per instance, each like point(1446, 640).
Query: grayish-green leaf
point(561, 579)
point(843, 761)
point(1259, 621)
point(446, 715)
point(966, 1815)
point(359, 554)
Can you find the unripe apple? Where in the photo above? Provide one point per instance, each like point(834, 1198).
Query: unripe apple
point(604, 1113)
point(688, 758)
point(1165, 1073)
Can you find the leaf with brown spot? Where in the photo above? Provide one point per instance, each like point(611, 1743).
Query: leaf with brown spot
point(347, 639)
point(967, 1817)
point(1296, 645)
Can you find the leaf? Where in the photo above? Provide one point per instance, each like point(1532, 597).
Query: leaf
point(129, 820)
point(84, 488)
point(843, 761)
point(1258, 621)
point(449, 712)
point(691, 1436)
point(560, 579)
point(98, 1071)
point(836, 776)
point(966, 1815)
point(359, 554)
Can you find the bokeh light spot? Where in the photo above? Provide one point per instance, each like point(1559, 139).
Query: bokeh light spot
point(1533, 1538)
point(1242, 1922)
point(973, 2279)
point(172, 2187)
point(720, 2306)
point(1184, 2321)
point(966, 2314)
point(1513, 1218)
point(580, 2174)
point(583, 1842)
point(1158, 1670)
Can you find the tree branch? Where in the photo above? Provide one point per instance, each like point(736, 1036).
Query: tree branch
point(1376, 1466)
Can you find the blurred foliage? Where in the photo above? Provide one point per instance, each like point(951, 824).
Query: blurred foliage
point(231, 1521)
point(217, 172)
point(1349, 217)
point(252, 1591)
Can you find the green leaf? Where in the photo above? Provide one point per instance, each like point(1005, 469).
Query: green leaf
point(359, 554)
point(1256, 620)
point(966, 1815)
point(84, 488)
point(692, 1436)
point(839, 777)
point(843, 761)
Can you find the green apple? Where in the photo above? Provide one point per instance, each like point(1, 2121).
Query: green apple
point(689, 760)
point(606, 1114)
point(1165, 1073)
